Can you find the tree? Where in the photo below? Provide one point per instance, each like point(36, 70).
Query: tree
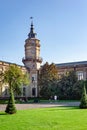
point(83, 103)
point(15, 78)
point(48, 80)
point(69, 87)
point(11, 109)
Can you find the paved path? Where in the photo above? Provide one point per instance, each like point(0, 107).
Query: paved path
point(39, 105)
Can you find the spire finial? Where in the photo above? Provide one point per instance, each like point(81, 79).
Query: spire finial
point(31, 34)
point(31, 20)
point(31, 17)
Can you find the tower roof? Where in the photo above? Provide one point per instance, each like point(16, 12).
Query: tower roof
point(31, 34)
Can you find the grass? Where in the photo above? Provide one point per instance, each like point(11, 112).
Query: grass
point(58, 118)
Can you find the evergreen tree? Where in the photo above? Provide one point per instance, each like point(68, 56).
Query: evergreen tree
point(11, 109)
point(83, 103)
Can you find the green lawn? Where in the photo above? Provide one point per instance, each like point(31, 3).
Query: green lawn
point(58, 118)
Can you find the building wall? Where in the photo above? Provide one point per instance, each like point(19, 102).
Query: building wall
point(81, 70)
point(4, 88)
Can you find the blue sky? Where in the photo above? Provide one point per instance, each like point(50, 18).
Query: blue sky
point(61, 26)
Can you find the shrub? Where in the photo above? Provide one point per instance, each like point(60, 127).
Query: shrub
point(10, 109)
point(83, 103)
point(36, 100)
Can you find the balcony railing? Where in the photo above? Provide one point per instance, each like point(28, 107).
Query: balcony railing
point(39, 59)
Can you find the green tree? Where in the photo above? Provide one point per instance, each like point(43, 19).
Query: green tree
point(83, 103)
point(48, 80)
point(69, 87)
point(15, 78)
point(10, 108)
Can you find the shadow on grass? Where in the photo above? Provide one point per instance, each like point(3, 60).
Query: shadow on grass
point(3, 114)
point(65, 108)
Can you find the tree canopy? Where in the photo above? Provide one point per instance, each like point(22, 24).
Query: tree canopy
point(69, 87)
point(66, 87)
point(48, 79)
point(15, 78)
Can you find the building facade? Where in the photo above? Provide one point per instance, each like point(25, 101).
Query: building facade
point(32, 63)
point(32, 89)
point(4, 92)
point(79, 67)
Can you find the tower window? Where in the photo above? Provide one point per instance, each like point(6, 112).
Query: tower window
point(32, 79)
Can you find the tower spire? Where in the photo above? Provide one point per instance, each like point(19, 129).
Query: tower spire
point(31, 34)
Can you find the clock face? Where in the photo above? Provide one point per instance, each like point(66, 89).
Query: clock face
point(33, 51)
point(32, 41)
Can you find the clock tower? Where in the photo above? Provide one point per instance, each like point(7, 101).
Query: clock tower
point(32, 60)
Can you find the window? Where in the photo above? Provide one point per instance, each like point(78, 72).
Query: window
point(24, 91)
point(33, 91)
point(32, 79)
point(80, 75)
